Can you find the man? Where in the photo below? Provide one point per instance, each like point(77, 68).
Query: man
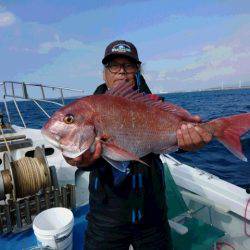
point(129, 208)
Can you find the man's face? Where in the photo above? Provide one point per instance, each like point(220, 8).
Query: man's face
point(120, 70)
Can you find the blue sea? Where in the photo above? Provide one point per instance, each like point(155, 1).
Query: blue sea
point(213, 158)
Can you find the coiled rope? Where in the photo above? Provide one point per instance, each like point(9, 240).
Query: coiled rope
point(31, 175)
point(5, 141)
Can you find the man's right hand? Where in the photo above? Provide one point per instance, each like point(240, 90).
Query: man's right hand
point(87, 158)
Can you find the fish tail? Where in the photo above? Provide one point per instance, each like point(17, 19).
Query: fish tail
point(228, 131)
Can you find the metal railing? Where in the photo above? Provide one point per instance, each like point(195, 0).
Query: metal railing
point(9, 91)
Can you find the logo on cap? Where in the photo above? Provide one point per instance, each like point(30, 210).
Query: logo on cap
point(122, 48)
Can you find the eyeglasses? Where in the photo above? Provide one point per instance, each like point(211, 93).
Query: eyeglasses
point(114, 67)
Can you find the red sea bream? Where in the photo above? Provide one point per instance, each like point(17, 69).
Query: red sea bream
point(133, 125)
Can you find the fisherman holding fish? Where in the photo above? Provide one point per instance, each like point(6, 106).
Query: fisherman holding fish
point(118, 134)
point(114, 222)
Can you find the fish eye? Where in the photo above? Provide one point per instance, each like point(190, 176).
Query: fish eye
point(68, 119)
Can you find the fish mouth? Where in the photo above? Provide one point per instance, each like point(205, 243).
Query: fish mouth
point(55, 142)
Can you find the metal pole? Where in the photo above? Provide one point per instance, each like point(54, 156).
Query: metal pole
point(61, 90)
point(4, 87)
point(6, 109)
point(12, 89)
point(25, 92)
point(19, 112)
point(19, 97)
point(43, 94)
point(39, 106)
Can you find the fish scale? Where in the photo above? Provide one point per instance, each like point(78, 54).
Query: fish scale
point(139, 129)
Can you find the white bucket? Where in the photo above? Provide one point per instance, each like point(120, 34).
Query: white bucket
point(53, 228)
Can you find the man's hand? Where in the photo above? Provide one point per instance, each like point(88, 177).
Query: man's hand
point(87, 158)
point(192, 137)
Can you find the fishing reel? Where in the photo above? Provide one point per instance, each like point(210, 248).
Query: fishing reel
point(25, 176)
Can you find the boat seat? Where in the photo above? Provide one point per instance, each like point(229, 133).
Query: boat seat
point(199, 235)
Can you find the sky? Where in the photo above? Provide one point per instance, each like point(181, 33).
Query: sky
point(184, 45)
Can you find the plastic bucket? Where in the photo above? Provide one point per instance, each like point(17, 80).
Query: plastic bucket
point(53, 228)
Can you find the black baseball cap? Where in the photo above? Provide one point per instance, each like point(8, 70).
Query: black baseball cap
point(120, 48)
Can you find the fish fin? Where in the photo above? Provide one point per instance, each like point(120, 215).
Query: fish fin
point(177, 110)
point(126, 90)
point(73, 154)
point(166, 150)
point(118, 165)
point(117, 153)
point(121, 89)
point(228, 131)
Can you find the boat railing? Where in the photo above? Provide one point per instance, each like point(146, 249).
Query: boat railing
point(9, 90)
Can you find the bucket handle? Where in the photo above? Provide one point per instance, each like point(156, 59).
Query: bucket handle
point(59, 237)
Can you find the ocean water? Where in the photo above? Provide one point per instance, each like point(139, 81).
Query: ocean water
point(213, 158)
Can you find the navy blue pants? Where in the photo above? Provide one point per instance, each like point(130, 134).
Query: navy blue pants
point(153, 238)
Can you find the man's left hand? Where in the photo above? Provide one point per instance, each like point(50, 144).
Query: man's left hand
point(192, 137)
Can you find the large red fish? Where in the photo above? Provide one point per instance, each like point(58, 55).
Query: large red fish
point(134, 126)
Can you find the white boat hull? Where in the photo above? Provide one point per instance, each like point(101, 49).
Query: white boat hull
point(224, 203)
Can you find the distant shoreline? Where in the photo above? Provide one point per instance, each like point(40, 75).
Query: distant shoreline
point(204, 90)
